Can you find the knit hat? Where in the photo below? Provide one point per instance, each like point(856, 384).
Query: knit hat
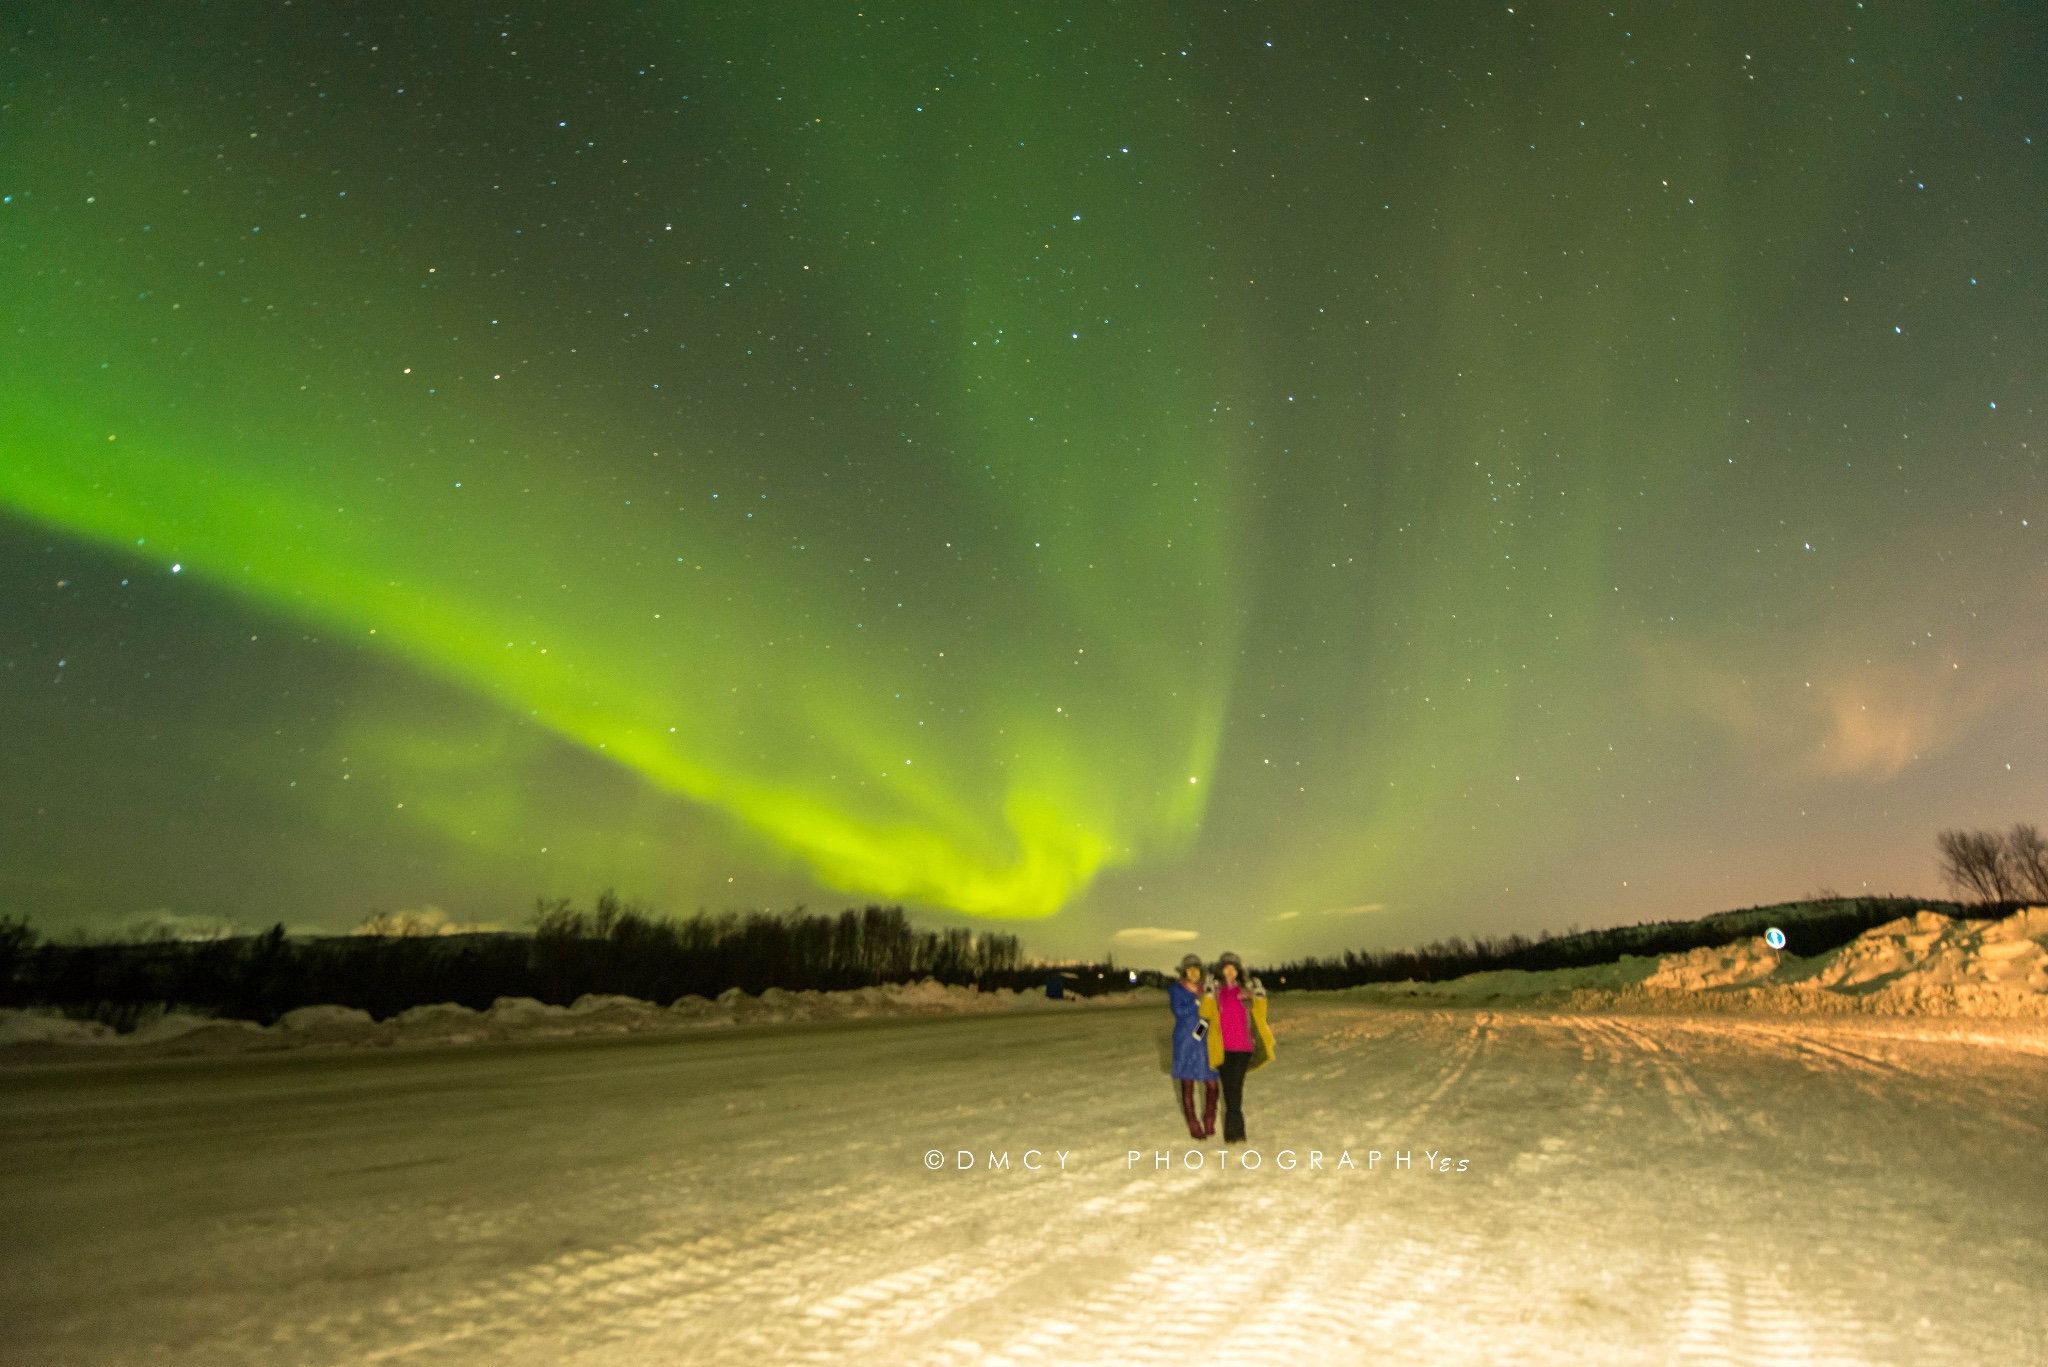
point(1226, 957)
point(1188, 961)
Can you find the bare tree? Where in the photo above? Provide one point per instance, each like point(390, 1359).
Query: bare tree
point(2026, 855)
point(1977, 865)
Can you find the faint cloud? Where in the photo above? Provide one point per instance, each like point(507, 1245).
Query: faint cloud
point(1152, 935)
point(1878, 742)
point(1287, 916)
point(426, 921)
point(1361, 909)
point(1831, 719)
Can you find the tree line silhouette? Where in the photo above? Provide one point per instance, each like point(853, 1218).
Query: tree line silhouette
point(626, 949)
point(612, 948)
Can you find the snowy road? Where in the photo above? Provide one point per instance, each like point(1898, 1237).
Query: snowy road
point(1636, 1189)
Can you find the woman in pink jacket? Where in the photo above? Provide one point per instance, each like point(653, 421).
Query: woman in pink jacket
point(1239, 1039)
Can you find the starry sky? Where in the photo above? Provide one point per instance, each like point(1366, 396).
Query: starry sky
point(1272, 477)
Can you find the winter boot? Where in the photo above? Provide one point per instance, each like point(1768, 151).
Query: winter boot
point(1208, 1109)
point(1187, 1107)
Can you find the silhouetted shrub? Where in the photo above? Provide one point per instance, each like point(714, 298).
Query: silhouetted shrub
point(2027, 853)
point(1974, 864)
point(1989, 867)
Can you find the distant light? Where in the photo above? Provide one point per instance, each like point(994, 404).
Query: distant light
point(176, 568)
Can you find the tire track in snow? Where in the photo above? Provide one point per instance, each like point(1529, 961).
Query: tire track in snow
point(1745, 1317)
point(1469, 1049)
point(1688, 1101)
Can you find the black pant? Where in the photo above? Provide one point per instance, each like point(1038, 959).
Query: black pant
point(1235, 1061)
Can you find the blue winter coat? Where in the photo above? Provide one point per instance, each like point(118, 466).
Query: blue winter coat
point(1190, 1055)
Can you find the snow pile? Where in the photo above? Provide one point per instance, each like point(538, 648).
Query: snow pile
point(1742, 964)
point(178, 1024)
point(515, 1012)
point(46, 1026)
point(1925, 962)
point(440, 1014)
point(1931, 957)
point(315, 1019)
point(515, 1018)
point(35, 1027)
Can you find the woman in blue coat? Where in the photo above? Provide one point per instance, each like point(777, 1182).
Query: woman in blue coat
point(1191, 1048)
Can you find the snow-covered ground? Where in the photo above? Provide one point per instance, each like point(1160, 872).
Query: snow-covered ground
point(1657, 1188)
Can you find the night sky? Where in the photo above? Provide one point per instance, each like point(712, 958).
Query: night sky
point(1301, 475)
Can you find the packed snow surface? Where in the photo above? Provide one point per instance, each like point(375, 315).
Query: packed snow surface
point(1422, 1186)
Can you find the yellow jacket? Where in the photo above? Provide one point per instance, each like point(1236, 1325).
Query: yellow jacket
point(1262, 1034)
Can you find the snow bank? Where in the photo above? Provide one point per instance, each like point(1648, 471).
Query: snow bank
point(1734, 965)
point(1929, 950)
point(178, 1024)
point(513, 1018)
point(46, 1026)
point(35, 1027)
point(311, 1019)
point(1923, 963)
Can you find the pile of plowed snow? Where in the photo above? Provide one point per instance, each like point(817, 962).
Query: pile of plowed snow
point(512, 1018)
point(1925, 962)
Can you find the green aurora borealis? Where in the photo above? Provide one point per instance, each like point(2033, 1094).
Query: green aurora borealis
point(1306, 475)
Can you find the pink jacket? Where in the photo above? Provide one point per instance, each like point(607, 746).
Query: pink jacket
point(1233, 1010)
